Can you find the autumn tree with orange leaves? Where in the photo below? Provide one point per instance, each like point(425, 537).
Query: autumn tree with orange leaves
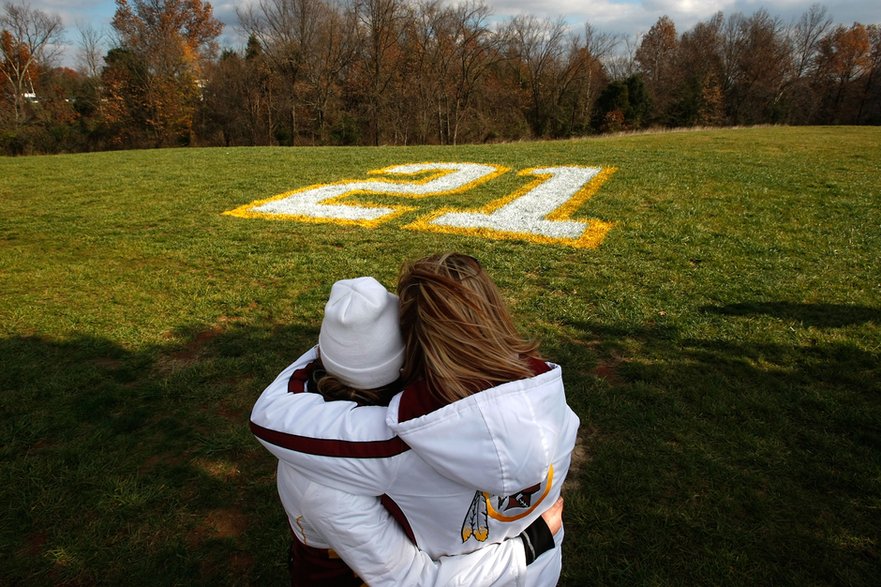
point(26, 40)
point(168, 44)
point(844, 56)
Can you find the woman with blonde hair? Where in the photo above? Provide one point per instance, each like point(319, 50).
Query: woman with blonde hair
point(471, 452)
point(459, 337)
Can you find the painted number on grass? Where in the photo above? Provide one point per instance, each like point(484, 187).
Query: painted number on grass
point(539, 212)
point(322, 202)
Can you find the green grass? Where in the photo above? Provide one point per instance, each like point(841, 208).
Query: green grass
point(722, 348)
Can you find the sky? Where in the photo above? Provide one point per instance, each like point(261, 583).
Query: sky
point(624, 17)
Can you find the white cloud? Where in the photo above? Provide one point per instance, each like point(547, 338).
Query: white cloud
point(693, 7)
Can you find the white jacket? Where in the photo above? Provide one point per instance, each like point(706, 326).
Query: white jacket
point(367, 538)
point(469, 474)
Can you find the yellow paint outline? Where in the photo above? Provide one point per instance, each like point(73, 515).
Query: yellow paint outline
point(503, 518)
point(591, 238)
point(247, 211)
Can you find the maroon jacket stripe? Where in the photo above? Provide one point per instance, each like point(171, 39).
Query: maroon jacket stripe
point(416, 400)
point(398, 514)
point(297, 382)
point(325, 447)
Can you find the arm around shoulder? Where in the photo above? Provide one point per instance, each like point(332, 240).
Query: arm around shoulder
point(335, 443)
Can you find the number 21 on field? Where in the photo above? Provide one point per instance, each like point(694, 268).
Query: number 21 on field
point(539, 212)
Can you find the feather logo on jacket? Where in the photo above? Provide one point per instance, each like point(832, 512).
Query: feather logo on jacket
point(476, 521)
point(508, 508)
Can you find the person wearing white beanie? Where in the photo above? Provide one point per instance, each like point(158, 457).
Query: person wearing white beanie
point(360, 341)
point(359, 356)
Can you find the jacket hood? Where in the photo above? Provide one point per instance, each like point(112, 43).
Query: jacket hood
point(498, 440)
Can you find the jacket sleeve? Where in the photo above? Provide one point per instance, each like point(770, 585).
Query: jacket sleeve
point(366, 537)
point(334, 443)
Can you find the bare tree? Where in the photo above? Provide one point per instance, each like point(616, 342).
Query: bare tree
point(331, 55)
point(599, 44)
point(379, 23)
point(29, 39)
point(286, 30)
point(756, 60)
point(538, 46)
point(459, 48)
point(90, 51)
point(621, 63)
point(805, 37)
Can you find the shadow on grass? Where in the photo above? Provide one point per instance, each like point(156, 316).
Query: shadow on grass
point(819, 315)
point(731, 462)
point(128, 467)
point(714, 461)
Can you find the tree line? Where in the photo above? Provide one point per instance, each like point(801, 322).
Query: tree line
point(371, 72)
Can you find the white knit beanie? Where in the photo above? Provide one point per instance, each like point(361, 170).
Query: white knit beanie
point(360, 341)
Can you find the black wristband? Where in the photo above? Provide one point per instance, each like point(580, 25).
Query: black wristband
point(537, 539)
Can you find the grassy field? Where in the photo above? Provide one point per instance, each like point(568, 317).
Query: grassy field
point(722, 346)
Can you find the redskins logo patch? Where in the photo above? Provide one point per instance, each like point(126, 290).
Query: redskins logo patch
point(508, 508)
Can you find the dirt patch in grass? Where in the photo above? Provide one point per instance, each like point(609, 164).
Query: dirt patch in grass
point(218, 524)
point(222, 470)
point(191, 351)
point(608, 370)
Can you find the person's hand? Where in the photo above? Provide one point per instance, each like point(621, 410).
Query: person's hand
point(553, 516)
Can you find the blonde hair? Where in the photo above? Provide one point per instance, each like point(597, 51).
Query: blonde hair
point(458, 334)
